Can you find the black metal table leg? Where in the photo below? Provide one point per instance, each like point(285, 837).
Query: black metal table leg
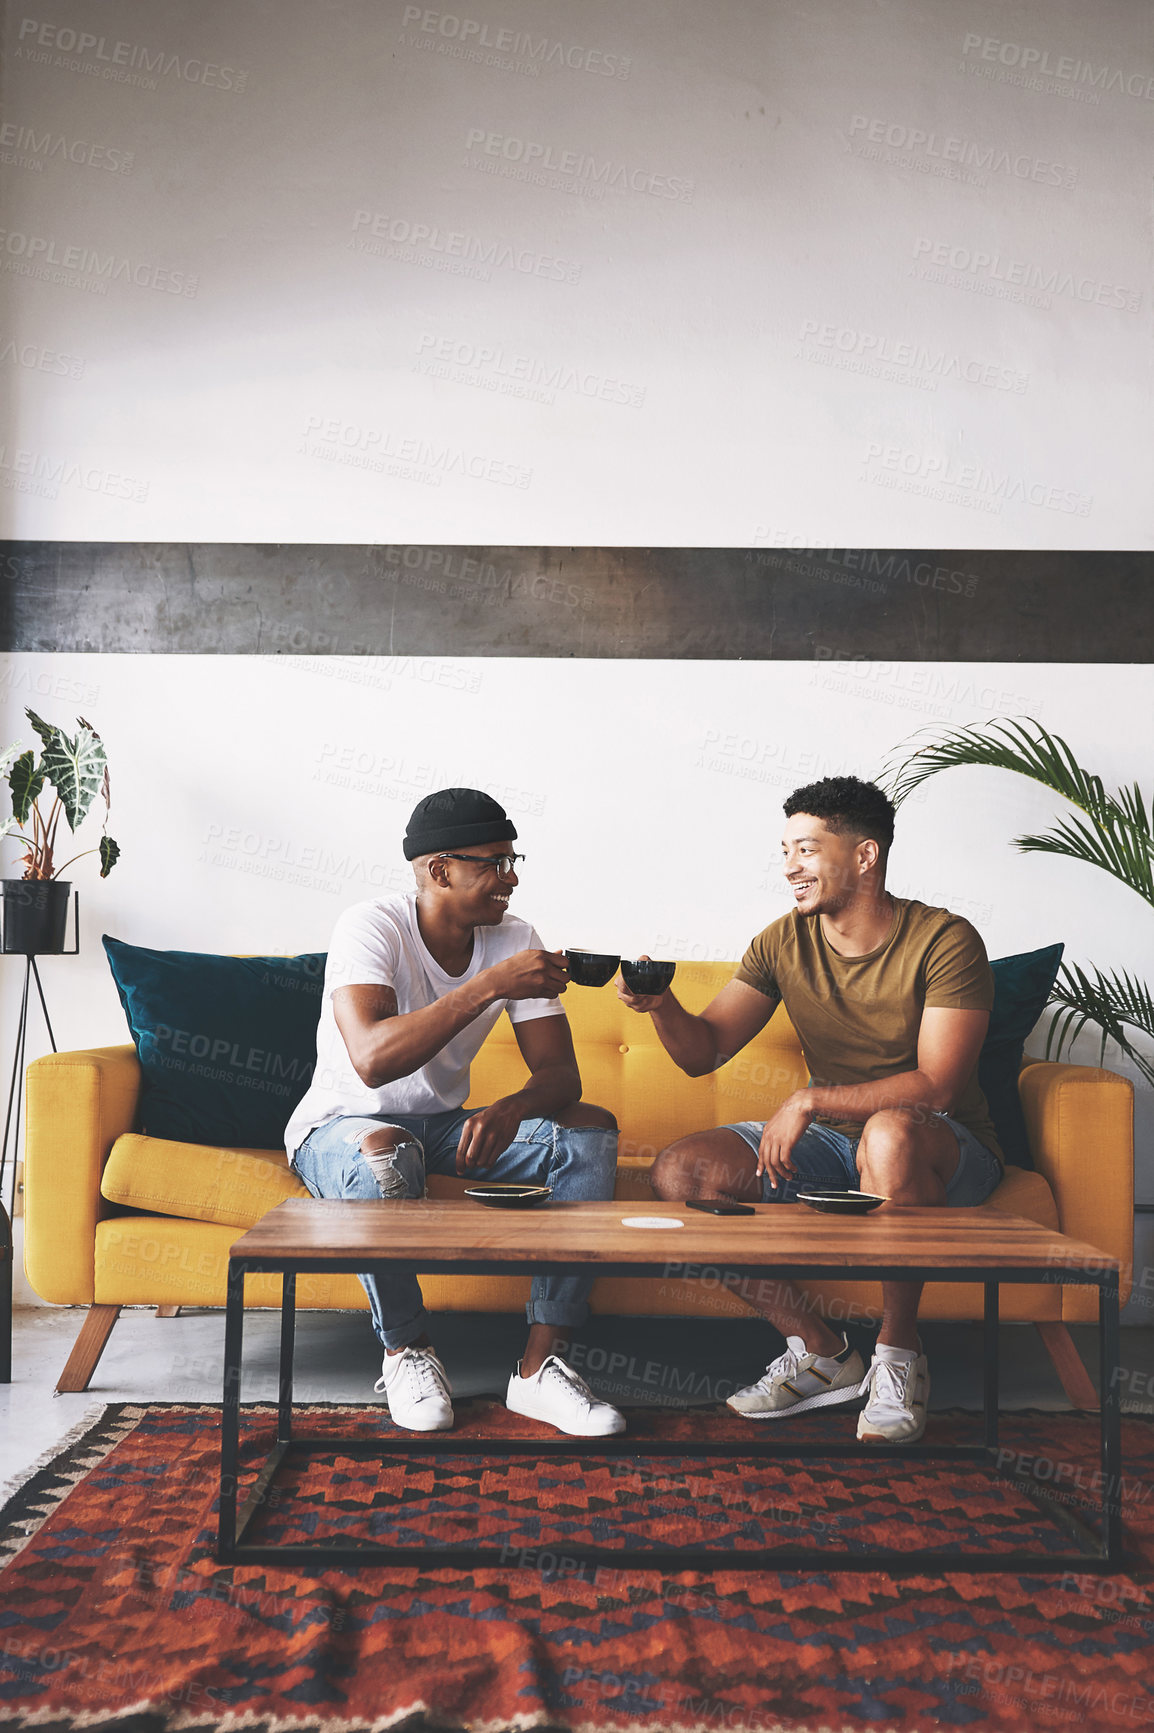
point(230, 1410)
point(288, 1321)
point(990, 1363)
point(1108, 1382)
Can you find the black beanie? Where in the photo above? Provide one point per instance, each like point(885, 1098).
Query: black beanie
point(456, 818)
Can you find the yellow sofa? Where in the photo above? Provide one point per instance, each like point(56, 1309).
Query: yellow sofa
point(118, 1219)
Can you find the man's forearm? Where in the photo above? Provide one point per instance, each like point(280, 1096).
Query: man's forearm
point(856, 1101)
point(688, 1040)
point(548, 1091)
point(405, 1042)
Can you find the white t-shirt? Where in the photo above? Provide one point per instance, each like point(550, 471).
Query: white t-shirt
point(380, 943)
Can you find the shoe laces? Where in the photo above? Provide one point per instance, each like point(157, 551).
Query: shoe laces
point(890, 1382)
point(421, 1367)
point(786, 1366)
point(555, 1369)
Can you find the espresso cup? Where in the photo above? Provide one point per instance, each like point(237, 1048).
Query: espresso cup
point(591, 968)
point(644, 975)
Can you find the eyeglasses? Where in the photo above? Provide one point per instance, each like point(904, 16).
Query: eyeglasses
point(506, 864)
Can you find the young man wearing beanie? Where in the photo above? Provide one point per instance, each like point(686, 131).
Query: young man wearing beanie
point(890, 1000)
point(413, 985)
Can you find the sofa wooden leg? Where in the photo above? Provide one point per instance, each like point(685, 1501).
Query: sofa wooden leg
point(168, 1311)
point(1076, 1380)
point(87, 1349)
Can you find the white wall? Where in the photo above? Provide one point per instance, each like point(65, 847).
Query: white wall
point(255, 797)
point(833, 272)
point(260, 282)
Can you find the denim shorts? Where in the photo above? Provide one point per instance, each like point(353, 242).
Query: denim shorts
point(827, 1158)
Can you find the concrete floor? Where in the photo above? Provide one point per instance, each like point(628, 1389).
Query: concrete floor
point(629, 1360)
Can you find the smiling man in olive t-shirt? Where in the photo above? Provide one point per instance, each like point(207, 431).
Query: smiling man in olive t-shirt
point(890, 1000)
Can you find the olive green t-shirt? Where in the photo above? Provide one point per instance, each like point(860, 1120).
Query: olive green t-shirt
point(858, 1017)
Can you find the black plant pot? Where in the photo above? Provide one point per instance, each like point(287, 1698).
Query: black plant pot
point(35, 915)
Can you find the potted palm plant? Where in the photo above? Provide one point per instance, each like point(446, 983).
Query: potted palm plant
point(1111, 831)
point(76, 770)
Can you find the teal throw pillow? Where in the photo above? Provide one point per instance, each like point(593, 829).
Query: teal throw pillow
point(227, 1045)
point(1021, 988)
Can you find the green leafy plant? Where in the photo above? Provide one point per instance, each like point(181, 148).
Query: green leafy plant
point(1111, 830)
point(76, 769)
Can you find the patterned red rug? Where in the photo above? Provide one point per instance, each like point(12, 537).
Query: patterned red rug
point(113, 1612)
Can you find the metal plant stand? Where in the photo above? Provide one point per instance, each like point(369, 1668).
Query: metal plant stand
point(12, 1134)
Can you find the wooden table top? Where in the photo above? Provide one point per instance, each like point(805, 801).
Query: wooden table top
point(435, 1232)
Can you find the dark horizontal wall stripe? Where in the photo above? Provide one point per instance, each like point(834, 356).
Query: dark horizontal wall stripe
point(379, 600)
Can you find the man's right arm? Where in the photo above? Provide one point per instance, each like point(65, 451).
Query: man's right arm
point(698, 1044)
point(384, 1044)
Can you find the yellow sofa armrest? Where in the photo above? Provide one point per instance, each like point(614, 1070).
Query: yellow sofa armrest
point(1080, 1121)
point(78, 1104)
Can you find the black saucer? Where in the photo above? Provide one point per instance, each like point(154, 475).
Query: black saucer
point(503, 1195)
point(841, 1203)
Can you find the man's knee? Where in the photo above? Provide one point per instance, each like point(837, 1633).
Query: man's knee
point(895, 1122)
point(686, 1169)
point(666, 1173)
point(895, 1152)
point(890, 1135)
point(396, 1161)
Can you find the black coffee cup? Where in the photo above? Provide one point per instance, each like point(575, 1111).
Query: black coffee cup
point(591, 968)
point(644, 975)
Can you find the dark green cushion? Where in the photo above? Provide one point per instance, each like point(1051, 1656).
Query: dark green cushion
point(227, 1045)
point(1021, 988)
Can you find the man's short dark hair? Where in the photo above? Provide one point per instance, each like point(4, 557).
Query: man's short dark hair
point(848, 806)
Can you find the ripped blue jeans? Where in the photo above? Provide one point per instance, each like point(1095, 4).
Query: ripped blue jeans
point(579, 1162)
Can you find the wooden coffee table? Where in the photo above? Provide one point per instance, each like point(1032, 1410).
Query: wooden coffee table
point(308, 1235)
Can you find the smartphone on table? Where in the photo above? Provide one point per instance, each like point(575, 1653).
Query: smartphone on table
point(713, 1207)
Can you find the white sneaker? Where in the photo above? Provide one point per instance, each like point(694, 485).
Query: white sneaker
point(798, 1380)
point(898, 1394)
point(559, 1397)
point(416, 1388)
